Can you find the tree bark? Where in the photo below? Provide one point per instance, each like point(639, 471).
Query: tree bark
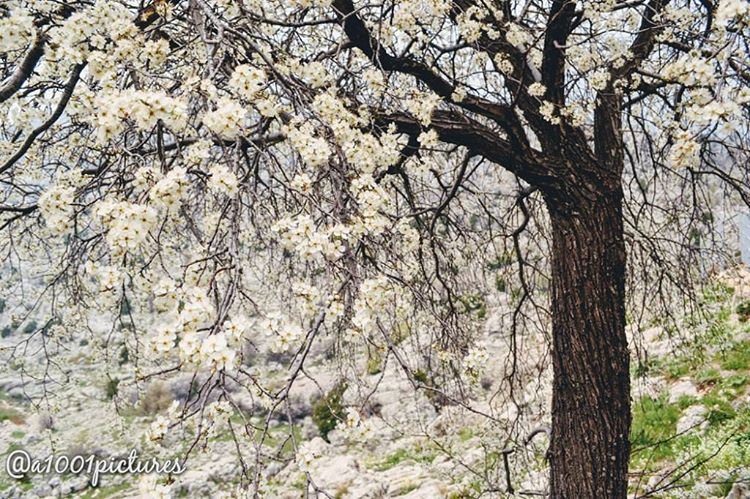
point(589, 449)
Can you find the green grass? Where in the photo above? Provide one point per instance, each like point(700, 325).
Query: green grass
point(375, 363)
point(735, 384)
point(676, 368)
point(736, 358)
point(719, 408)
point(743, 311)
point(417, 454)
point(406, 489)
point(654, 422)
point(719, 364)
point(708, 376)
point(465, 433)
point(329, 410)
point(112, 388)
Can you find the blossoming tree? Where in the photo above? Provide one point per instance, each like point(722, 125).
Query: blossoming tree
point(188, 159)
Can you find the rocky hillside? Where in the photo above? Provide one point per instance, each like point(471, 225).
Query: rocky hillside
point(690, 436)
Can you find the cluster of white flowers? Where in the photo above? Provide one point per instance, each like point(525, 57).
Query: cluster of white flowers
point(235, 330)
point(575, 113)
point(159, 427)
point(223, 180)
point(144, 108)
point(709, 110)
point(127, 223)
point(685, 151)
point(355, 429)
point(307, 454)
point(428, 139)
point(247, 81)
point(691, 71)
point(284, 332)
point(314, 151)
point(190, 347)
point(517, 36)
point(185, 328)
point(198, 152)
point(197, 312)
point(583, 58)
point(315, 73)
point(537, 89)
point(409, 236)
point(227, 120)
point(421, 105)
point(503, 63)
point(302, 182)
point(300, 235)
point(16, 30)
point(335, 310)
point(166, 295)
point(308, 297)
point(475, 362)
point(169, 191)
point(374, 80)
point(549, 112)
point(145, 177)
point(197, 309)
point(362, 150)
point(164, 340)
point(215, 351)
point(92, 29)
point(730, 10)
point(56, 206)
point(410, 15)
point(369, 153)
point(470, 24)
point(599, 79)
point(109, 277)
point(155, 52)
point(217, 414)
point(370, 196)
point(376, 295)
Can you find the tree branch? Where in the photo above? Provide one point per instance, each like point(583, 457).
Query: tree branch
point(455, 128)
point(24, 70)
point(67, 93)
point(360, 36)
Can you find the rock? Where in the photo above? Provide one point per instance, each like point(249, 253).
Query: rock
point(369, 489)
point(428, 489)
point(655, 343)
point(403, 478)
point(7, 384)
point(336, 472)
point(683, 387)
point(739, 491)
point(198, 479)
point(693, 418)
point(180, 385)
point(42, 490)
point(272, 469)
point(17, 393)
point(29, 440)
point(309, 430)
point(73, 486)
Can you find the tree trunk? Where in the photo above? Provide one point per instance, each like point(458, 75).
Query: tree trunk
point(589, 447)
